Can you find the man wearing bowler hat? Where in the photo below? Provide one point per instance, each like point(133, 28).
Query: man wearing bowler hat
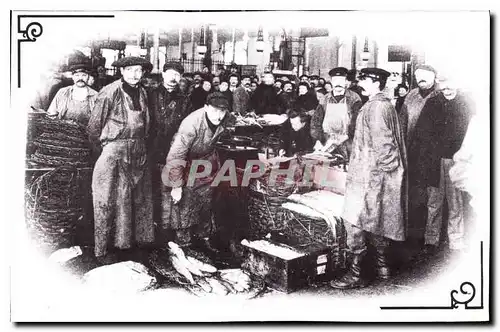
point(75, 102)
point(334, 121)
point(121, 182)
point(375, 200)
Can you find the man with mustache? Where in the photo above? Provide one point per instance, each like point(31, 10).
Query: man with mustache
point(415, 100)
point(241, 96)
point(334, 121)
point(121, 181)
point(439, 133)
point(352, 84)
point(425, 76)
point(216, 80)
point(287, 96)
point(197, 80)
point(375, 200)
point(168, 106)
point(265, 100)
point(233, 80)
point(75, 102)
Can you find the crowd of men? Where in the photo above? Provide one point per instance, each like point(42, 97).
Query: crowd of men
point(400, 156)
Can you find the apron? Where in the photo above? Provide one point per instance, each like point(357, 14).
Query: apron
point(121, 187)
point(77, 110)
point(336, 122)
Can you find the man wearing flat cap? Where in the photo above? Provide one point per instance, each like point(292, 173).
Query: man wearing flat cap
point(75, 102)
point(187, 212)
point(121, 182)
point(425, 76)
point(334, 121)
point(375, 204)
point(168, 106)
point(352, 84)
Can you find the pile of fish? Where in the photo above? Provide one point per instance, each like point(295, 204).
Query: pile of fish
point(249, 120)
point(61, 143)
point(203, 279)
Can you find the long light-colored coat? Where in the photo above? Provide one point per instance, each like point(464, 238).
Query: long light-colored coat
point(375, 198)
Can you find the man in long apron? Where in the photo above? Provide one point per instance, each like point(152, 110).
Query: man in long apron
point(121, 182)
point(333, 122)
point(375, 205)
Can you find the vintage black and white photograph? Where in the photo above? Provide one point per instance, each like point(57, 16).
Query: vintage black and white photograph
point(232, 165)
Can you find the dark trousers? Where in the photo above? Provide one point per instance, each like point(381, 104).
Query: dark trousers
point(358, 239)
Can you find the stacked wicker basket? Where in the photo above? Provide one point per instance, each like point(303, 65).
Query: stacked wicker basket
point(62, 143)
point(55, 199)
point(264, 204)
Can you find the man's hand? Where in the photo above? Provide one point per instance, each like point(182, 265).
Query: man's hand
point(176, 194)
point(281, 153)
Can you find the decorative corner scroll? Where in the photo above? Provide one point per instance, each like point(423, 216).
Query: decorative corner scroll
point(463, 289)
point(34, 30)
point(466, 295)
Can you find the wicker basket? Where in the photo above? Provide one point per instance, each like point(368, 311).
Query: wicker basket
point(264, 204)
point(53, 208)
point(62, 143)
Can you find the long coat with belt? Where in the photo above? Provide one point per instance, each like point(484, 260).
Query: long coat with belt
point(194, 140)
point(121, 182)
point(375, 198)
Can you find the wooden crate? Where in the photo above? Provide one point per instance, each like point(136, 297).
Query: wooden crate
point(289, 275)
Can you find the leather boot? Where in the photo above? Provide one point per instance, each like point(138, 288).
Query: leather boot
point(353, 278)
point(382, 268)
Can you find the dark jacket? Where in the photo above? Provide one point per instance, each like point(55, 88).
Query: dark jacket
point(198, 98)
point(287, 99)
point(399, 104)
point(438, 133)
point(229, 96)
point(167, 110)
point(309, 101)
point(265, 101)
point(358, 89)
point(241, 100)
point(295, 141)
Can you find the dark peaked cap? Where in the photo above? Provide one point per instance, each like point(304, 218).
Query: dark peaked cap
point(339, 71)
point(374, 73)
point(133, 61)
point(426, 67)
point(218, 99)
point(175, 66)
